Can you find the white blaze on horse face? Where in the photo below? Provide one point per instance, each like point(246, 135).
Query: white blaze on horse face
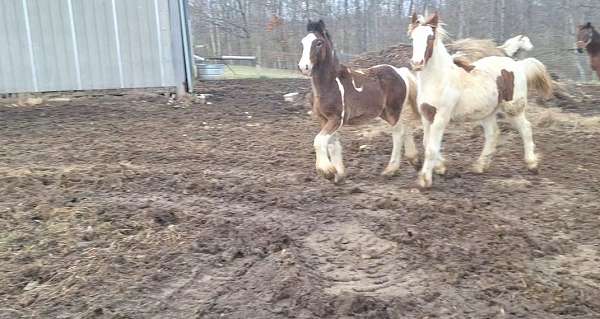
point(305, 65)
point(420, 36)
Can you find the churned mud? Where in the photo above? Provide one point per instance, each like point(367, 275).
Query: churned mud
point(128, 207)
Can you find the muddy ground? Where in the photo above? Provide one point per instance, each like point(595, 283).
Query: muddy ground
point(128, 207)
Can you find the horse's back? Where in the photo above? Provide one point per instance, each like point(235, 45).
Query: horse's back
point(496, 63)
point(494, 66)
point(394, 85)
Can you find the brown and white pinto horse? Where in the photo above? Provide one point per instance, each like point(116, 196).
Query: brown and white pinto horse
point(588, 38)
point(470, 93)
point(342, 96)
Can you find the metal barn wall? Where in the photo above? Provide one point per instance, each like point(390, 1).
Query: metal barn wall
point(59, 45)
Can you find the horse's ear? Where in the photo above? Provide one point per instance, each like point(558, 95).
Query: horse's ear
point(433, 20)
point(322, 24)
point(588, 25)
point(415, 18)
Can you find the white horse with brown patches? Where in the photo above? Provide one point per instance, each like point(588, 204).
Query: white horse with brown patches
point(470, 93)
point(342, 96)
point(515, 45)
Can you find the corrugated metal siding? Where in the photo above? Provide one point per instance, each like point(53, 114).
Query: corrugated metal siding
point(16, 72)
point(56, 45)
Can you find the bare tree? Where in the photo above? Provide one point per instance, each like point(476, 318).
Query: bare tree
point(246, 26)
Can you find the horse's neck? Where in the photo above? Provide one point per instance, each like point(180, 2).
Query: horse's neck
point(510, 47)
point(440, 63)
point(324, 79)
point(594, 46)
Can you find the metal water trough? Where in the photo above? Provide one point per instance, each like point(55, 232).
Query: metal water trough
point(210, 71)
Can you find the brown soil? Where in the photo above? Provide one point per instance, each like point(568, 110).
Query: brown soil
point(127, 207)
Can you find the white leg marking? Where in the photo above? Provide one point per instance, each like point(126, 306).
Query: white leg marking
point(398, 139)
point(335, 152)
point(324, 165)
point(521, 123)
point(432, 149)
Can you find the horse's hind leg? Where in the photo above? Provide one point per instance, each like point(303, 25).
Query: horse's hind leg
point(521, 123)
point(492, 133)
point(398, 140)
point(410, 148)
point(335, 153)
point(408, 119)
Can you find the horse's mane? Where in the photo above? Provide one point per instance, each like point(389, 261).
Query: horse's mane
point(595, 33)
point(441, 31)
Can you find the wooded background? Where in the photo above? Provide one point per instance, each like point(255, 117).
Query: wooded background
point(272, 29)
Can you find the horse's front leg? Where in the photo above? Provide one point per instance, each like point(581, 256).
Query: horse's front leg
point(440, 164)
point(335, 153)
point(324, 165)
point(439, 121)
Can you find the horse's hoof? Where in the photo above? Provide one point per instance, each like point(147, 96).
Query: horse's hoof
point(390, 171)
point(328, 173)
point(339, 179)
point(533, 169)
point(440, 170)
point(424, 182)
point(479, 168)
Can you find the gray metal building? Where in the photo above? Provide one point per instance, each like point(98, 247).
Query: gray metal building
point(63, 45)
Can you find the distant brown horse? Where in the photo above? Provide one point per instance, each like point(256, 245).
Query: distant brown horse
point(589, 39)
point(342, 96)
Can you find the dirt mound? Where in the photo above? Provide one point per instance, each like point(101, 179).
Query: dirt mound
point(398, 55)
point(571, 96)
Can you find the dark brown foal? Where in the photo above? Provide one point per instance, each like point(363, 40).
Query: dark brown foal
point(589, 39)
point(342, 96)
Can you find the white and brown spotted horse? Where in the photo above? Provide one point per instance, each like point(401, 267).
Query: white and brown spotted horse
point(470, 93)
point(342, 96)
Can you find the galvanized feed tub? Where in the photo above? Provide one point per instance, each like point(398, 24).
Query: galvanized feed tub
point(210, 71)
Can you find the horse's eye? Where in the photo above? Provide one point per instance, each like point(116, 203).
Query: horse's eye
point(319, 43)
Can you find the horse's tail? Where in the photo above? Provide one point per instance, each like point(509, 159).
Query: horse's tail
point(411, 91)
point(537, 76)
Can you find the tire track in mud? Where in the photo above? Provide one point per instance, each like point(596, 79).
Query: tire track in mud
point(350, 259)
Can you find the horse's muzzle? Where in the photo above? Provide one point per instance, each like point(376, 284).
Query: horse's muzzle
point(305, 69)
point(417, 67)
point(582, 44)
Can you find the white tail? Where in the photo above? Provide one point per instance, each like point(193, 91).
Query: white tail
point(537, 76)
